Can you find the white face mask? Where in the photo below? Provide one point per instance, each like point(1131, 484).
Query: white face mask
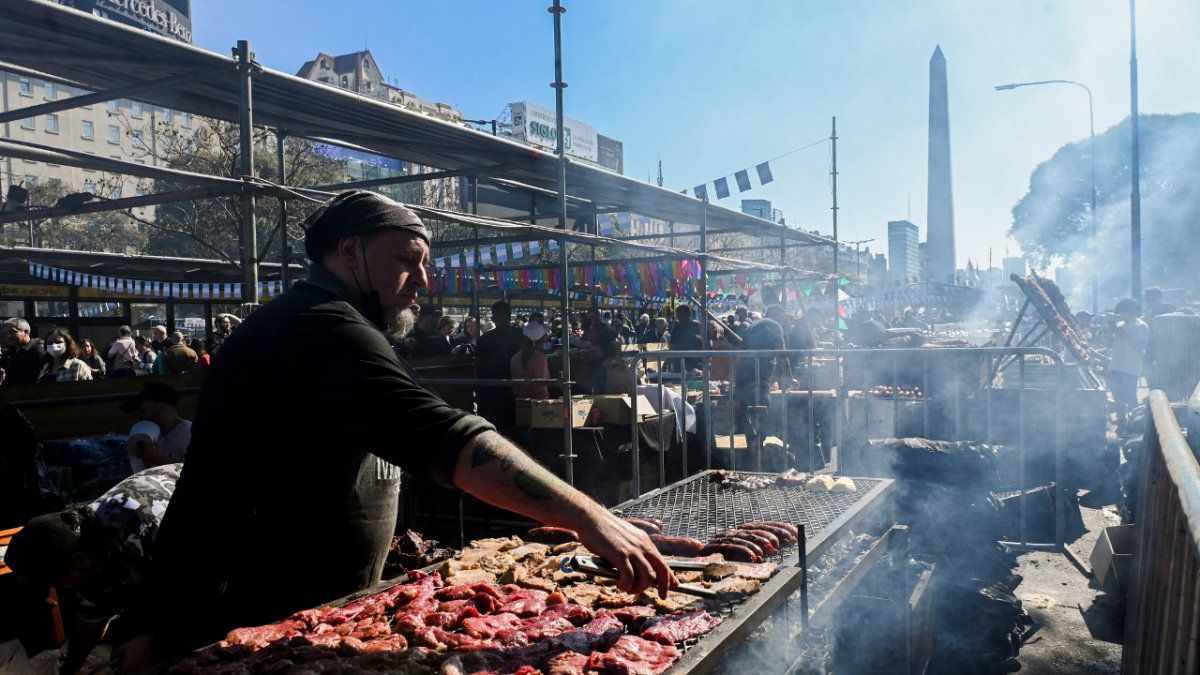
point(56, 349)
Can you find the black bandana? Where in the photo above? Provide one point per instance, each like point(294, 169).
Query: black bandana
point(356, 212)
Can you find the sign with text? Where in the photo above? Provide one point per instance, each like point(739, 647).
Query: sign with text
point(536, 125)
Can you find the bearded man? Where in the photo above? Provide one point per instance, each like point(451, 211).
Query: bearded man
point(289, 495)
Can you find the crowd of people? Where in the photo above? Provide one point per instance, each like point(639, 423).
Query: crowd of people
point(59, 357)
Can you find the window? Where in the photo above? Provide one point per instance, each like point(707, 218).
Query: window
point(345, 81)
point(26, 87)
point(27, 123)
point(30, 182)
point(88, 130)
point(52, 123)
point(136, 109)
point(114, 133)
point(185, 119)
point(116, 193)
point(89, 185)
point(48, 91)
point(139, 161)
point(113, 106)
point(137, 139)
point(168, 115)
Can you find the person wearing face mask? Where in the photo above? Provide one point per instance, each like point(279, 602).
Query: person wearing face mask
point(280, 452)
point(62, 360)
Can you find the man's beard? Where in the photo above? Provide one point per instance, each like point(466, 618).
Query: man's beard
point(400, 322)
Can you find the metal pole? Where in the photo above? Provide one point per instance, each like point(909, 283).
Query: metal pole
point(285, 247)
point(1135, 194)
point(565, 265)
point(707, 379)
point(837, 280)
point(1092, 220)
point(249, 238)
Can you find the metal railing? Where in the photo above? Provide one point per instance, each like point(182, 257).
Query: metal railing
point(1162, 622)
point(858, 370)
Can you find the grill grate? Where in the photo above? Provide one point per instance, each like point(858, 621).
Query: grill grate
point(699, 507)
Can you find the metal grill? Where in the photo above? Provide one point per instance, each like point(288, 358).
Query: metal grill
point(700, 507)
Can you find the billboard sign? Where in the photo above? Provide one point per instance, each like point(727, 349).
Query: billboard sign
point(535, 125)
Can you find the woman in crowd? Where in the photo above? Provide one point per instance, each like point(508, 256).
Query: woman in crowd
point(203, 358)
point(603, 347)
point(530, 363)
point(91, 357)
point(468, 333)
point(146, 356)
point(62, 360)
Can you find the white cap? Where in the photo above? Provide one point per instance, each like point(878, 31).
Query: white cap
point(534, 331)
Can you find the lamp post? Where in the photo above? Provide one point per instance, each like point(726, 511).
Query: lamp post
point(1092, 154)
point(858, 255)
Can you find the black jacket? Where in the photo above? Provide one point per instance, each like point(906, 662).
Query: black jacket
point(23, 365)
point(288, 498)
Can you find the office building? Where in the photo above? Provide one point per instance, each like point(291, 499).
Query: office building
point(904, 253)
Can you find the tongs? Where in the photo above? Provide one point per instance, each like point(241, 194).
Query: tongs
point(599, 567)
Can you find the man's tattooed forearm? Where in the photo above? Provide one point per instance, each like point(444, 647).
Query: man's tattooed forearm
point(482, 454)
point(533, 486)
point(485, 454)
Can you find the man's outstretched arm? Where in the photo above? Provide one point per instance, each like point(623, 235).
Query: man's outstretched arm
point(498, 472)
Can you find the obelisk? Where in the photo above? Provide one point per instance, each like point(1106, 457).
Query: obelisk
point(939, 221)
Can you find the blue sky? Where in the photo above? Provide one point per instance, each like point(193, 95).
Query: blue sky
point(714, 87)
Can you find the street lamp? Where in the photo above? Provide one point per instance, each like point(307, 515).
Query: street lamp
point(1092, 153)
point(858, 254)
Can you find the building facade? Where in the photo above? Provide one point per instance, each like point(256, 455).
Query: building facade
point(904, 253)
point(359, 73)
point(170, 18)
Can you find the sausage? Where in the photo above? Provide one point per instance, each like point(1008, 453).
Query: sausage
point(649, 527)
point(551, 535)
point(785, 536)
point(685, 546)
point(748, 543)
point(731, 552)
point(790, 527)
point(765, 540)
point(764, 535)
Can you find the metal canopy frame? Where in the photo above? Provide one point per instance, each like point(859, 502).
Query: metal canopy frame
point(45, 40)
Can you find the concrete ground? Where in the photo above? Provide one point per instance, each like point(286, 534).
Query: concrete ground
point(1077, 627)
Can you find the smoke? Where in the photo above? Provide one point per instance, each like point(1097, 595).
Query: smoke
point(1052, 220)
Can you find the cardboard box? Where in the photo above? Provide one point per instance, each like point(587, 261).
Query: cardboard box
point(618, 409)
point(548, 413)
point(1113, 555)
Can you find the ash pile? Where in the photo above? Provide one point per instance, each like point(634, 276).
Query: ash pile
point(951, 496)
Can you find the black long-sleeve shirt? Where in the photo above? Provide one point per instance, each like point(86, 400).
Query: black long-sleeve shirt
point(289, 495)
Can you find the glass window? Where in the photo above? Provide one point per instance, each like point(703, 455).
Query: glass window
point(147, 315)
point(136, 108)
point(48, 89)
point(114, 133)
point(116, 193)
point(185, 119)
point(89, 185)
point(9, 308)
point(26, 86)
point(168, 115)
point(51, 308)
point(137, 139)
point(92, 310)
point(27, 123)
point(189, 319)
point(52, 123)
point(87, 130)
point(113, 105)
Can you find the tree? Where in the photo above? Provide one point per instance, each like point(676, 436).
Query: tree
point(1052, 222)
point(108, 231)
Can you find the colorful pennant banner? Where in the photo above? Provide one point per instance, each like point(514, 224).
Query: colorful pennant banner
point(153, 289)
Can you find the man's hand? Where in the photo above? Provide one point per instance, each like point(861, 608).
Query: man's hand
point(496, 471)
point(631, 552)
